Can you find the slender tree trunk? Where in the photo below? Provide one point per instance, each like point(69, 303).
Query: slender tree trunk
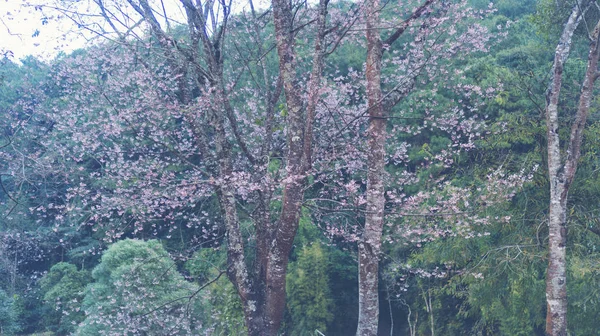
point(369, 247)
point(429, 306)
point(389, 301)
point(561, 170)
point(556, 292)
point(237, 269)
point(556, 282)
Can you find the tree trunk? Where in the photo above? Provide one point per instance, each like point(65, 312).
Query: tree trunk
point(370, 245)
point(561, 171)
point(299, 143)
point(556, 284)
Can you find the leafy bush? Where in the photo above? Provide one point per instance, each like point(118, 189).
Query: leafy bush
point(63, 289)
point(8, 316)
point(137, 290)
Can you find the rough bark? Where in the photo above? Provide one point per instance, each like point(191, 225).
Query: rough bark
point(556, 293)
point(314, 83)
point(264, 225)
point(561, 170)
point(292, 190)
point(370, 245)
point(299, 142)
point(237, 269)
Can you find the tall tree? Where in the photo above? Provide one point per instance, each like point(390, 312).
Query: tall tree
point(562, 165)
point(221, 149)
point(369, 247)
point(299, 148)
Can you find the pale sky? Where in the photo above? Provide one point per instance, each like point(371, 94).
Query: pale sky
point(18, 25)
point(19, 22)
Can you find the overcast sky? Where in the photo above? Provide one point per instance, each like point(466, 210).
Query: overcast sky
point(23, 32)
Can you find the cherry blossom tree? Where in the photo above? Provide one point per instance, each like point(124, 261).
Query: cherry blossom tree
point(187, 137)
point(174, 114)
point(431, 39)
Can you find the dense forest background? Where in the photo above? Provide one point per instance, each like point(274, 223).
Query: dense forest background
point(109, 224)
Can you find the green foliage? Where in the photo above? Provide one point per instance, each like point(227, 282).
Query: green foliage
point(221, 309)
point(584, 295)
point(549, 17)
point(137, 289)
point(317, 271)
point(516, 309)
point(8, 315)
point(63, 289)
point(308, 288)
point(491, 285)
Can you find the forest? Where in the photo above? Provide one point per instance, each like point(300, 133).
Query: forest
point(293, 167)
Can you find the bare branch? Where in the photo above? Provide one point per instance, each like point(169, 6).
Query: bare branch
point(415, 15)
